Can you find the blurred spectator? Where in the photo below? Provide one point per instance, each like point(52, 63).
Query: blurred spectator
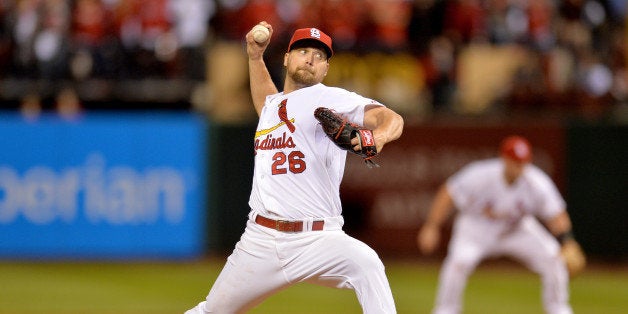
point(390, 20)
point(227, 12)
point(144, 28)
point(255, 11)
point(25, 21)
point(39, 33)
point(426, 24)
point(249, 13)
point(539, 24)
point(90, 22)
point(51, 44)
point(95, 51)
point(439, 65)
point(157, 42)
point(595, 81)
point(506, 21)
point(465, 21)
point(344, 21)
point(191, 27)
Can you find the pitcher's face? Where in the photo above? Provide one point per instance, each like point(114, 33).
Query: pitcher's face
point(306, 66)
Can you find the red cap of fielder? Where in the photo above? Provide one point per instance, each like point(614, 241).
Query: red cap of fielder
point(517, 148)
point(312, 34)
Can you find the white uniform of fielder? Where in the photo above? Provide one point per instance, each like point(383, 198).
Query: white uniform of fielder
point(288, 150)
point(496, 219)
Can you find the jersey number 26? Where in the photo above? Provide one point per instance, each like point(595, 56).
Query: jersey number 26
point(295, 161)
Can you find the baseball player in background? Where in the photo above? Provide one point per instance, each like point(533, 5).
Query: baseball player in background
point(498, 202)
point(294, 232)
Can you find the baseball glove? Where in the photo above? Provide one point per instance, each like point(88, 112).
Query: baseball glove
point(341, 132)
point(574, 257)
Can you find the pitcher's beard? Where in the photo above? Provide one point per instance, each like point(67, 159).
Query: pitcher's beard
point(304, 78)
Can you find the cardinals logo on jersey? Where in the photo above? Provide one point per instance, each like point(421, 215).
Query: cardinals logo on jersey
point(283, 115)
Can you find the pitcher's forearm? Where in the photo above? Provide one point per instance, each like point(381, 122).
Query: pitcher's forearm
point(261, 83)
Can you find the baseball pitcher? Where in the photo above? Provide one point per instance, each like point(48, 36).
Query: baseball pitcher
point(294, 232)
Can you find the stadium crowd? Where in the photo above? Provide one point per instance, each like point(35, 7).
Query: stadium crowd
point(421, 57)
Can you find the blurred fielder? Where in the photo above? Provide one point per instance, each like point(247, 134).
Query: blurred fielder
point(294, 232)
point(498, 202)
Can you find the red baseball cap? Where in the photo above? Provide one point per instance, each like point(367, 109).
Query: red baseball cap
point(312, 34)
point(516, 147)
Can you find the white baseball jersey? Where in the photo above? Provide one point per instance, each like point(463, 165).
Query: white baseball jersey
point(481, 188)
point(298, 169)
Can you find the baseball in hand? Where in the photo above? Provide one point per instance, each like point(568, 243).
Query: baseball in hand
point(260, 33)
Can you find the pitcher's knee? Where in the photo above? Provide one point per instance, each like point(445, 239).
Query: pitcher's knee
point(369, 261)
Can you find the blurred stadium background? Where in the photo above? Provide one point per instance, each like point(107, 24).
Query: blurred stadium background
point(125, 126)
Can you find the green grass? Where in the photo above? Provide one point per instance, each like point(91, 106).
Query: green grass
point(97, 288)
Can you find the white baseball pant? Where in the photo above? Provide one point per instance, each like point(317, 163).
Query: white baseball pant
point(266, 261)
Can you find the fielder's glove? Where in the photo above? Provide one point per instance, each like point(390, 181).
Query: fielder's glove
point(574, 257)
point(341, 132)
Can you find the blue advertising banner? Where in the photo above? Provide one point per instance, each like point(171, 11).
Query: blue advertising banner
point(107, 185)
